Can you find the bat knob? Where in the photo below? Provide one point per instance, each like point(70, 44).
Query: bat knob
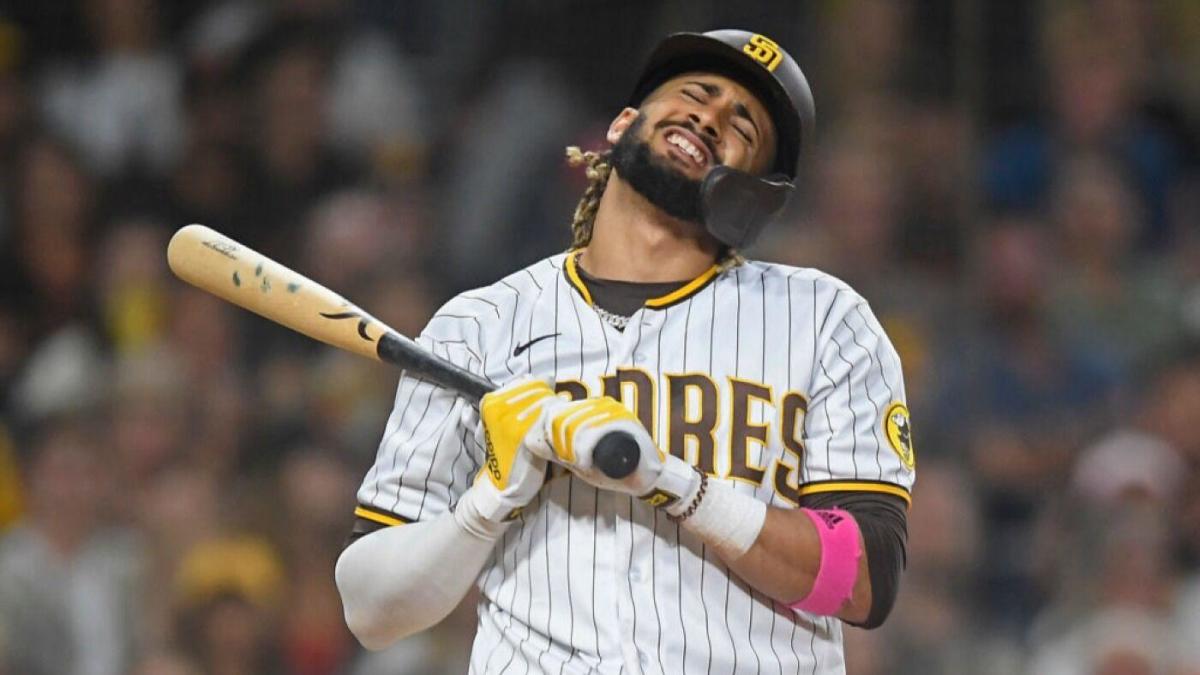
point(617, 454)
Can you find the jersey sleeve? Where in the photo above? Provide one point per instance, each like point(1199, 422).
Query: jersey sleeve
point(858, 435)
point(428, 454)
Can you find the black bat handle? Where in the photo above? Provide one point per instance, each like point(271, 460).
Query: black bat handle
point(617, 454)
point(420, 362)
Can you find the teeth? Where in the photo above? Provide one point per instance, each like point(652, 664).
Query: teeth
point(684, 144)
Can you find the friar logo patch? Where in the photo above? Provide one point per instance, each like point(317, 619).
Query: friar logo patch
point(898, 428)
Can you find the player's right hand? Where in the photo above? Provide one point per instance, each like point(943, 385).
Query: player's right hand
point(510, 475)
point(571, 431)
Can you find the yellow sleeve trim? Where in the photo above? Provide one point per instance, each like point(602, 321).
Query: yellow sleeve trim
point(857, 486)
point(363, 512)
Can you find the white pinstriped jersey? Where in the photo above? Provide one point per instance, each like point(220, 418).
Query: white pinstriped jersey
point(775, 379)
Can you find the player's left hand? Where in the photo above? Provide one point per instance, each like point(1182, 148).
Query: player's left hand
point(510, 475)
point(570, 432)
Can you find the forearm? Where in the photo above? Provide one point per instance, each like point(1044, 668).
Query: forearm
point(813, 560)
point(779, 552)
point(401, 580)
point(404, 579)
point(785, 559)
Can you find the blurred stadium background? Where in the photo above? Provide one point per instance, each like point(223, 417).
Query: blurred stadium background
point(1012, 184)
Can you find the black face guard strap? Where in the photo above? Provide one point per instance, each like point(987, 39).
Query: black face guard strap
point(737, 206)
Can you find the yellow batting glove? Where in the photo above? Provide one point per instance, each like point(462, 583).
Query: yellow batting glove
point(571, 431)
point(567, 422)
point(510, 476)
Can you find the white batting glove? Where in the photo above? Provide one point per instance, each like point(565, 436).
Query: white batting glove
point(570, 431)
point(511, 475)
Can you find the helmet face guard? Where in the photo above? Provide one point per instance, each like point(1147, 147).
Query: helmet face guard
point(736, 205)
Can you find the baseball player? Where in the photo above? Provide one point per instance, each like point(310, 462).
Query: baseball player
point(768, 506)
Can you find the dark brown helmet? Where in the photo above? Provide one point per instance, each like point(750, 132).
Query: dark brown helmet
point(758, 63)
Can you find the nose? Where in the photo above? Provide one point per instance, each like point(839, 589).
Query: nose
point(705, 124)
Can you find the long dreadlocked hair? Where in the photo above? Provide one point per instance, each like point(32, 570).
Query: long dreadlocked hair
point(598, 169)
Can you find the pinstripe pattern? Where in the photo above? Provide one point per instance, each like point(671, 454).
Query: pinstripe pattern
point(593, 582)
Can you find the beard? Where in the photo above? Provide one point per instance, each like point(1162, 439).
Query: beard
point(653, 178)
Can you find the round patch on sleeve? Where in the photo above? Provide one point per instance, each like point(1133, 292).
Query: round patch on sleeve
point(899, 433)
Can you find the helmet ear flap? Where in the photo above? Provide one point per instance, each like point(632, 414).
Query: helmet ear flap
point(736, 206)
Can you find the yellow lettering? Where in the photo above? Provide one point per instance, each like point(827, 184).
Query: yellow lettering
point(764, 50)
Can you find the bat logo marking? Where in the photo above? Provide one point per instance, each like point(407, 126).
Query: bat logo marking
point(223, 247)
point(363, 321)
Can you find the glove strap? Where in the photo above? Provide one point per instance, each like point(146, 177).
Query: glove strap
point(694, 504)
point(724, 518)
point(676, 487)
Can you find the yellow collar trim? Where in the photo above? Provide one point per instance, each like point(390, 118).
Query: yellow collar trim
point(685, 290)
point(674, 296)
point(573, 276)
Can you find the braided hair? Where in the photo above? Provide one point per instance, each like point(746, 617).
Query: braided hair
point(598, 170)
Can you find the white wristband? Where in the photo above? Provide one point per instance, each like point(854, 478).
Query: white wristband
point(728, 520)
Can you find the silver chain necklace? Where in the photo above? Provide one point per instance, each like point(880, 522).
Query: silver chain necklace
point(615, 320)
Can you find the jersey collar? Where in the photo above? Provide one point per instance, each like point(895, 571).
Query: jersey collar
point(682, 293)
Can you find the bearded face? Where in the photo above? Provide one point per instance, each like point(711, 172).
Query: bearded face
point(688, 125)
point(653, 176)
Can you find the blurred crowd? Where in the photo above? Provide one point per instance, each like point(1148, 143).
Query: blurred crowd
point(1013, 186)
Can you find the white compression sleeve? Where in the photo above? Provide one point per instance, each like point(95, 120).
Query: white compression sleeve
point(401, 580)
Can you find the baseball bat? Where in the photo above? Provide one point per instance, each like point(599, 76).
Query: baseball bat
point(235, 273)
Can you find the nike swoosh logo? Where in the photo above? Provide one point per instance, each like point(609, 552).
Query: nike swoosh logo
point(521, 348)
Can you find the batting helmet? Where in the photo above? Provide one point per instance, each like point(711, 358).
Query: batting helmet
point(736, 205)
point(755, 61)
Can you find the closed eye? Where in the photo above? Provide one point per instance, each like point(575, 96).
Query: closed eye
point(698, 98)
